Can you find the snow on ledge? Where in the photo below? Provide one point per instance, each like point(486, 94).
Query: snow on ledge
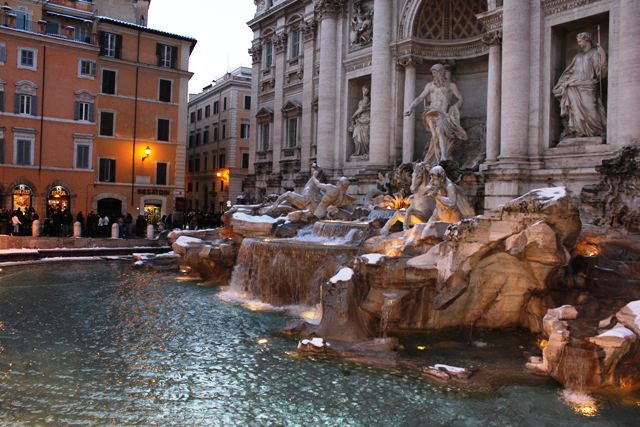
point(241, 216)
point(448, 368)
point(372, 259)
point(617, 332)
point(345, 274)
point(316, 342)
point(550, 194)
point(185, 241)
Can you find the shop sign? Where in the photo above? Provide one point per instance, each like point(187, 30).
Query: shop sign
point(153, 192)
point(22, 190)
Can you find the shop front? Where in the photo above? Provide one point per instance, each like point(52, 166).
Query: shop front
point(58, 200)
point(22, 197)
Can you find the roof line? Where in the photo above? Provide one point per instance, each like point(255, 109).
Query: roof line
point(146, 29)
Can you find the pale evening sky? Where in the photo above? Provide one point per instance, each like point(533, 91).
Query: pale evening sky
point(220, 26)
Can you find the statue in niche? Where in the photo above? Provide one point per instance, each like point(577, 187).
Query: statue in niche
point(441, 118)
point(451, 203)
point(579, 91)
point(421, 207)
point(361, 26)
point(360, 121)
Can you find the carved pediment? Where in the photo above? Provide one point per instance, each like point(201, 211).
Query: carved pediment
point(26, 87)
point(85, 95)
point(265, 114)
point(293, 108)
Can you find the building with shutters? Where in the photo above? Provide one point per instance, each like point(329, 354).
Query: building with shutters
point(218, 142)
point(92, 110)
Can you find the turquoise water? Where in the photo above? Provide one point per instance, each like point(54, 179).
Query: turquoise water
point(102, 344)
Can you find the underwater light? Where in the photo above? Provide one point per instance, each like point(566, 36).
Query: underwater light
point(421, 347)
point(263, 341)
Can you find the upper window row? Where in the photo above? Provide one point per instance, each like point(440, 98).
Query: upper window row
point(109, 81)
point(197, 115)
point(294, 48)
point(111, 46)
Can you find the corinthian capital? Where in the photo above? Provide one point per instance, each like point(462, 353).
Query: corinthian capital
point(328, 8)
point(492, 38)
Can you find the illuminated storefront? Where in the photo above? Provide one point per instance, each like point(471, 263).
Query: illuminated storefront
point(22, 197)
point(58, 199)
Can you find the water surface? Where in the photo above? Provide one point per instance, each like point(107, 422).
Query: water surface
point(102, 344)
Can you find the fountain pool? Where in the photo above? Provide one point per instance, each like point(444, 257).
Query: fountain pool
point(100, 344)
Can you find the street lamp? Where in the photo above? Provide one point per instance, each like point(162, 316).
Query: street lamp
point(147, 151)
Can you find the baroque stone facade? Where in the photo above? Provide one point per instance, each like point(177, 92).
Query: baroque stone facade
point(505, 56)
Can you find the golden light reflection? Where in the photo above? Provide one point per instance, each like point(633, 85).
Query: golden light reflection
point(542, 343)
point(263, 341)
point(421, 347)
point(310, 315)
point(292, 354)
point(581, 403)
point(256, 306)
point(587, 247)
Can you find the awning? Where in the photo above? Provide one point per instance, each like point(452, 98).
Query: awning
point(62, 15)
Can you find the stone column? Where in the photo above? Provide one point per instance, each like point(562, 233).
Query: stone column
point(256, 56)
point(494, 40)
point(514, 116)
point(381, 104)
point(629, 77)
point(308, 35)
point(408, 122)
point(327, 12)
point(279, 41)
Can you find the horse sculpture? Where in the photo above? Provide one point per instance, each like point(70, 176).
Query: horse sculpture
point(422, 205)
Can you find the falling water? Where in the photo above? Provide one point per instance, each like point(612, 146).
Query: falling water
point(390, 300)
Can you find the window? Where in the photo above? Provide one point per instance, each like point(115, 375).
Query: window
point(292, 132)
point(245, 160)
point(167, 55)
point(164, 92)
point(1, 98)
point(198, 140)
point(197, 165)
point(215, 134)
point(199, 114)
point(247, 102)
point(161, 173)
point(295, 44)
point(191, 140)
point(27, 58)
point(224, 131)
point(207, 111)
point(190, 167)
point(107, 171)
point(221, 185)
point(216, 107)
point(265, 128)
point(107, 120)
point(109, 82)
point(244, 131)
point(110, 44)
point(23, 19)
point(23, 152)
point(189, 188)
point(213, 160)
point(268, 54)
point(204, 161)
point(163, 130)
point(84, 111)
point(80, 35)
point(52, 28)
point(222, 163)
point(192, 117)
point(83, 156)
point(25, 104)
point(3, 53)
point(205, 137)
point(1, 146)
point(86, 68)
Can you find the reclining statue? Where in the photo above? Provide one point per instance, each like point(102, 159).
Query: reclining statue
point(334, 196)
point(309, 199)
point(451, 203)
point(421, 207)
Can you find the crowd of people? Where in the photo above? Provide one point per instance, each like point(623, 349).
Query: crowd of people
point(60, 223)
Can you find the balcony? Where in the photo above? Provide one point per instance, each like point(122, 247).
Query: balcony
point(61, 26)
point(86, 5)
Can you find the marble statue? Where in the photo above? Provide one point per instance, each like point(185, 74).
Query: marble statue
point(579, 91)
point(333, 197)
point(360, 121)
point(361, 26)
point(421, 207)
point(451, 202)
point(309, 199)
point(441, 118)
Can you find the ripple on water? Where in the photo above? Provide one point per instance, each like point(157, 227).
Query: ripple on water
point(100, 344)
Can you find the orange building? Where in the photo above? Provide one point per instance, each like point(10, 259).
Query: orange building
point(81, 99)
